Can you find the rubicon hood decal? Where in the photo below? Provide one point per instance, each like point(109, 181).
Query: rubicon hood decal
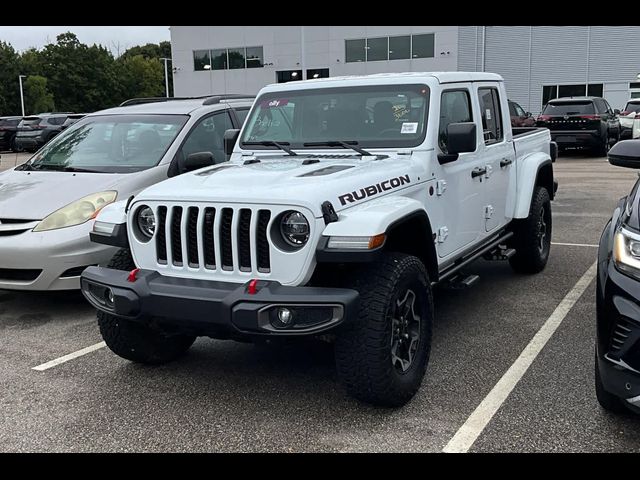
point(372, 190)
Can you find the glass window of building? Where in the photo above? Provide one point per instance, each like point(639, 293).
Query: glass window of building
point(400, 48)
point(317, 73)
point(423, 45)
point(572, 90)
point(377, 49)
point(201, 60)
point(255, 57)
point(219, 59)
point(595, 90)
point(236, 58)
point(355, 50)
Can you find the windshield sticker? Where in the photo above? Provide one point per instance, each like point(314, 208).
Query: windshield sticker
point(487, 114)
point(409, 127)
point(280, 102)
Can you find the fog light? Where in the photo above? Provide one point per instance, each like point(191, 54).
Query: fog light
point(108, 297)
point(285, 316)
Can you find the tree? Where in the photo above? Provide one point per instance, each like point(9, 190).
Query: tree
point(9, 86)
point(153, 51)
point(141, 77)
point(37, 97)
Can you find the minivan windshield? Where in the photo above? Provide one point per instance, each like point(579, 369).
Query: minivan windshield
point(569, 108)
point(110, 144)
point(392, 116)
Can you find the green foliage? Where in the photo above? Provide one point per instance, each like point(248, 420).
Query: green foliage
point(37, 97)
point(80, 78)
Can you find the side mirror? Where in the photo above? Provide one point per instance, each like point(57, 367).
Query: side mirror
point(625, 154)
point(230, 138)
point(528, 114)
point(195, 161)
point(461, 138)
point(616, 111)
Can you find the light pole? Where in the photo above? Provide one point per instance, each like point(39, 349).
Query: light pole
point(166, 75)
point(20, 77)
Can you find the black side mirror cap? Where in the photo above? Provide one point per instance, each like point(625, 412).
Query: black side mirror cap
point(461, 138)
point(625, 154)
point(195, 161)
point(230, 138)
point(616, 111)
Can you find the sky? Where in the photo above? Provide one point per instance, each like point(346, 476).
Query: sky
point(22, 38)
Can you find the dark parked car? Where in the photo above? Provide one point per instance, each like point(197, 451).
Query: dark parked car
point(8, 129)
point(71, 119)
point(34, 132)
point(581, 122)
point(629, 119)
point(617, 372)
point(520, 118)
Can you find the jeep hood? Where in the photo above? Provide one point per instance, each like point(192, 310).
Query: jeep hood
point(303, 181)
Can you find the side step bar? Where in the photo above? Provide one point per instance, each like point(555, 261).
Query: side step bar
point(464, 261)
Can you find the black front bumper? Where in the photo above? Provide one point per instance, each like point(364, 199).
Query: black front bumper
point(618, 332)
point(212, 308)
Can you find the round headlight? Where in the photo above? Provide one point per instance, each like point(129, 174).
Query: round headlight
point(146, 222)
point(294, 228)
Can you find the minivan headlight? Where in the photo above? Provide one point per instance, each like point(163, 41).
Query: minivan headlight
point(77, 212)
point(626, 252)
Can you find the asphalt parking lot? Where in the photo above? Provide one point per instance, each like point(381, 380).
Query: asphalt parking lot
point(226, 396)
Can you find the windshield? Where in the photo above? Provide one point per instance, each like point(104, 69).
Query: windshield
point(370, 116)
point(632, 107)
point(110, 144)
point(569, 108)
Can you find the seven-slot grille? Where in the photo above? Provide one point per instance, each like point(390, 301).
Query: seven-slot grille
point(213, 238)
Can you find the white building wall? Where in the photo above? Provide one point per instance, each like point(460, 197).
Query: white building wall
point(282, 45)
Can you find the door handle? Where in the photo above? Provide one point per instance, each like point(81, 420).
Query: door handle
point(478, 172)
point(505, 162)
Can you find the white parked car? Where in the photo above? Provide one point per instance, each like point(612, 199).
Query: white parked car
point(47, 205)
point(630, 120)
point(344, 201)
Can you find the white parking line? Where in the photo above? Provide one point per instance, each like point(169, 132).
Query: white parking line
point(465, 437)
point(71, 356)
point(575, 244)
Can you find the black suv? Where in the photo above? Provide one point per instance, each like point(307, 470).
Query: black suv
point(581, 122)
point(34, 132)
point(8, 129)
point(617, 373)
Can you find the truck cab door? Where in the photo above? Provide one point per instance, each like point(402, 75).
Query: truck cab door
point(459, 188)
point(498, 157)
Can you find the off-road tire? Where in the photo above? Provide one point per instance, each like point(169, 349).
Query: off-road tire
point(135, 341)
point(607, 401)
point(363, 345)
point(529, 257)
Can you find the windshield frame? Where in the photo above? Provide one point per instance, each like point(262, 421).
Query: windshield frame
point(121, 169)
point(392, 143)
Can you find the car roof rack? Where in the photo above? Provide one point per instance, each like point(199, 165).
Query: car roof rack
point(208, 99)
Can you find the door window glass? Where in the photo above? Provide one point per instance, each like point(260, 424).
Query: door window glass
point(491, 115)
point(207, 136)
point(455, 107)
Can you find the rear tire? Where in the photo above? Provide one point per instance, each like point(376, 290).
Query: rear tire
point(136, 341)
point(532, 235)
point(607, 401)
point(382, 354)
point(603, 149)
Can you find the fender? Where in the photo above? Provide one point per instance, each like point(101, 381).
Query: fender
point(112, 215)
point(527, 178)
point(386, 215)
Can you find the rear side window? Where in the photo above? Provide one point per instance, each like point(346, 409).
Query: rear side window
point(602, 105)
point(31, 121)
point(491, 115)
point(455, 107)
point(569, 108)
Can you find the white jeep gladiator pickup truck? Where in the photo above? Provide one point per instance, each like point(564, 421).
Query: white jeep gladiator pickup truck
point(344, 202)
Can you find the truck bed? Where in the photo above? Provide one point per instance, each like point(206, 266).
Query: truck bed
point(528, 140)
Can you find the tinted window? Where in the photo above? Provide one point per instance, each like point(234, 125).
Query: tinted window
point(455, 107)
point(549, 92)
point(491, 116)
point(201, 59)
point(372, 115)
point(377, 49)
point(632, 107)
point(595, 90)
point(423, 45)
point(255, 57)
point(207, 136)
point(219, 59)
point(601, 105)
point(572, 90)
point(569, 108)
point(399, 48)
point(317, 73)
point(355, 50)
point(112, 143)
point(236, 58)
point(242, 115)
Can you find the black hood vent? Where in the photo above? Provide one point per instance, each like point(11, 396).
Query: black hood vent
point(327, 170)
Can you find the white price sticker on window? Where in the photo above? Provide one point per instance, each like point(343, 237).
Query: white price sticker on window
point(409, 127)
point(487, 114)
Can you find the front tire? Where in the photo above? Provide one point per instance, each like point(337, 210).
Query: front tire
point(532, 235)
point(136, 341)
point(382, 354)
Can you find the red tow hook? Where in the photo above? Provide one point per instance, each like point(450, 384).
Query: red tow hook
point(133, 275)
point(252, 289)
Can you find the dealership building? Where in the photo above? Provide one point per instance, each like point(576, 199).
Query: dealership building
point(538, 63)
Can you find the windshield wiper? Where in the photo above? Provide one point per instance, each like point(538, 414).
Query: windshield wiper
point(351, 144)
point(281, 145)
